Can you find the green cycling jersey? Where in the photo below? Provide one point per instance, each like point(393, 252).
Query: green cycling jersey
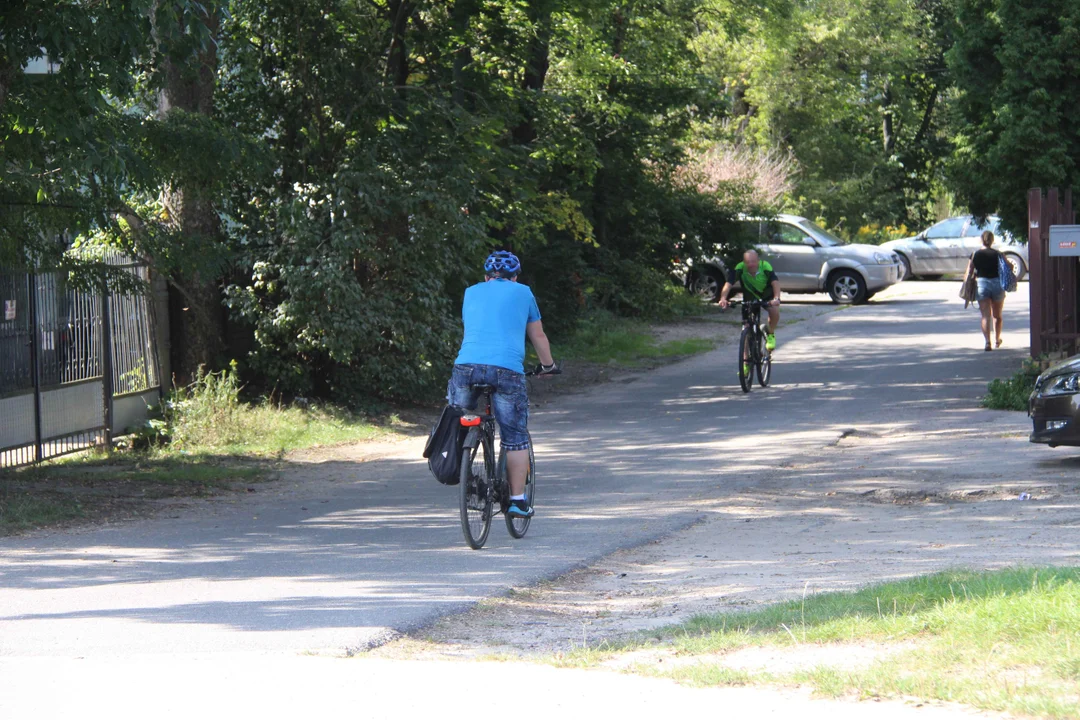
point(757, 285)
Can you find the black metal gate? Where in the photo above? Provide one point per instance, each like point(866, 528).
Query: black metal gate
point(75, 367)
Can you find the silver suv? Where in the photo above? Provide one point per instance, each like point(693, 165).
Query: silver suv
point(808, 259)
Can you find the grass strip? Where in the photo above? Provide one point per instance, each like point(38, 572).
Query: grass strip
point(1006, 640)
point(606, 339)
point(263, 430)
point(88, 487)
point(21, 511)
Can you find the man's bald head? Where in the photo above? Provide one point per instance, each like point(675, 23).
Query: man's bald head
point(750, 257)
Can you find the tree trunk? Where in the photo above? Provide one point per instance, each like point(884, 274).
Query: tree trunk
point(888, 138)
point(461, 15)
point(7, 74)
point(536, 69)
point(198, 323)
point(927, 119)
point(397, 58)
point(741, 109)
point(395, 229)
point(600, 184)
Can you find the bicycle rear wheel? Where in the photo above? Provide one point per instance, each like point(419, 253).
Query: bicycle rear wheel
point(746, 360)
point(517, 527)
point(764, 361)
point(477, 493)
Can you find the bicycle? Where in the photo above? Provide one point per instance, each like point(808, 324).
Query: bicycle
point(484, 480)
point(754, 355)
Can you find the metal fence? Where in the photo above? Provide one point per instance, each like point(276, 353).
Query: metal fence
point(1053, 281)
point(75, 367)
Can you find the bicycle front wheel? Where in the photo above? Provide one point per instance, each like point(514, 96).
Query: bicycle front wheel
point(477, 491)
point(517, 527)
point(764, 361)
point(746, 360)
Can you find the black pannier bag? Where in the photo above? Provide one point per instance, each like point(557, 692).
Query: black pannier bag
point(443, 449)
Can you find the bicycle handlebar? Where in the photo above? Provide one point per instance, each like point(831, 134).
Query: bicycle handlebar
point(539, 371)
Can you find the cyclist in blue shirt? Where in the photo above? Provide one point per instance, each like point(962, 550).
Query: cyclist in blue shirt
point(499, 314)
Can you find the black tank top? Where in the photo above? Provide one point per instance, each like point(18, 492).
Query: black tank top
point(986, 262)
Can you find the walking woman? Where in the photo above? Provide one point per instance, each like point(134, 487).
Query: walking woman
point(991, 293)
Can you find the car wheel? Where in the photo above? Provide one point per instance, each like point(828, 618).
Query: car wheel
point(847, 287)
point(1017, 263)
point(707, 285)
point(905, 267)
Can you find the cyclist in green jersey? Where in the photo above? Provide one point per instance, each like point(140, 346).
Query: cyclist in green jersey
point(759, 282)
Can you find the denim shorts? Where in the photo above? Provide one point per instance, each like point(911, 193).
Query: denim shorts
point(990, 289)
point(510, 400)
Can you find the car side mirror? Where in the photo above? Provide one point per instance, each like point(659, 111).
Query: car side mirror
point(922, 236)
point(809, 241)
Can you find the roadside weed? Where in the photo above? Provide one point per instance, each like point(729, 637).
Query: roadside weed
point(1012, 393)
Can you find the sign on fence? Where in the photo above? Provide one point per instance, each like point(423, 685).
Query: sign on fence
point(1065, 241)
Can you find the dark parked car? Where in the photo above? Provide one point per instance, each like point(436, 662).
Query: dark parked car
point(1054, 406)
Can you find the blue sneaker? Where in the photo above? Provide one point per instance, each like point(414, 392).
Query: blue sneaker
point(519, 509)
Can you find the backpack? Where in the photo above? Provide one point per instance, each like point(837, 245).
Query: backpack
point(443, 449)
point(1005, 272)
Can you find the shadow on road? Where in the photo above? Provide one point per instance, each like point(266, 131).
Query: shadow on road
point(350, 548)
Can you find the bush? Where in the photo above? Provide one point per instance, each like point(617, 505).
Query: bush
point(875, 234)
point(1012, 393)
point(766, 175)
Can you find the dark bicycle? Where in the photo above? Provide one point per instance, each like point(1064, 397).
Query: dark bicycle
point(754, 356)
point(484, 480)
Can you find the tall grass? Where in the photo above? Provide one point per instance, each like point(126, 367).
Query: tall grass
point(209, 415)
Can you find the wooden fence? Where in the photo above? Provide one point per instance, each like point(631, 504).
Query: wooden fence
point(1053, 280)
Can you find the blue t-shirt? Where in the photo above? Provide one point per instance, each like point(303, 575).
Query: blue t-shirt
point(495, 315)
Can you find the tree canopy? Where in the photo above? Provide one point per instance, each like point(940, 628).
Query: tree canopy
point(319, 181)
point(1016, 67)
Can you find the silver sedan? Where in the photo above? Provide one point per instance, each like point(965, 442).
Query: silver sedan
point(945, 247)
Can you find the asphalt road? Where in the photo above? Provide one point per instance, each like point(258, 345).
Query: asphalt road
point(342, 553)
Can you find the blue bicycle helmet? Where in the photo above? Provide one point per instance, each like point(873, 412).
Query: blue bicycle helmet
point(502, 262)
